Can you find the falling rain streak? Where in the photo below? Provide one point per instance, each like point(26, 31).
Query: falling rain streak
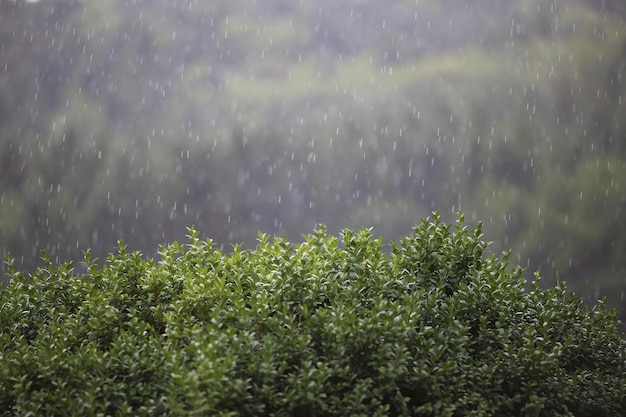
point(136, 119)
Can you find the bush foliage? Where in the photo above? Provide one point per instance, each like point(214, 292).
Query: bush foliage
point(326, 327)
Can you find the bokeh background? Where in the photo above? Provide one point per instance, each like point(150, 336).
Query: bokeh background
point(134, 119)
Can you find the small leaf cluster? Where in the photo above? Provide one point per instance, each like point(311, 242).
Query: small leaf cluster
point(325, 327)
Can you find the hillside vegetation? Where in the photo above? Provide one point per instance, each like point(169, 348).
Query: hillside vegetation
point(135, 119)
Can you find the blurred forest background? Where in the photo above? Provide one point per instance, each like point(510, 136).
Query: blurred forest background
point(133, 119)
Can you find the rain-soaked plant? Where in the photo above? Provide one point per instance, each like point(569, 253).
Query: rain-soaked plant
point(320, 328)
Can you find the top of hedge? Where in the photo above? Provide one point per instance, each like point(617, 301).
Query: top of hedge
point(320, 328)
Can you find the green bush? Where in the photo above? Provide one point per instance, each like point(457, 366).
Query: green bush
point(320, 328)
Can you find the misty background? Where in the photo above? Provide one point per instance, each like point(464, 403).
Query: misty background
point(134, 119)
